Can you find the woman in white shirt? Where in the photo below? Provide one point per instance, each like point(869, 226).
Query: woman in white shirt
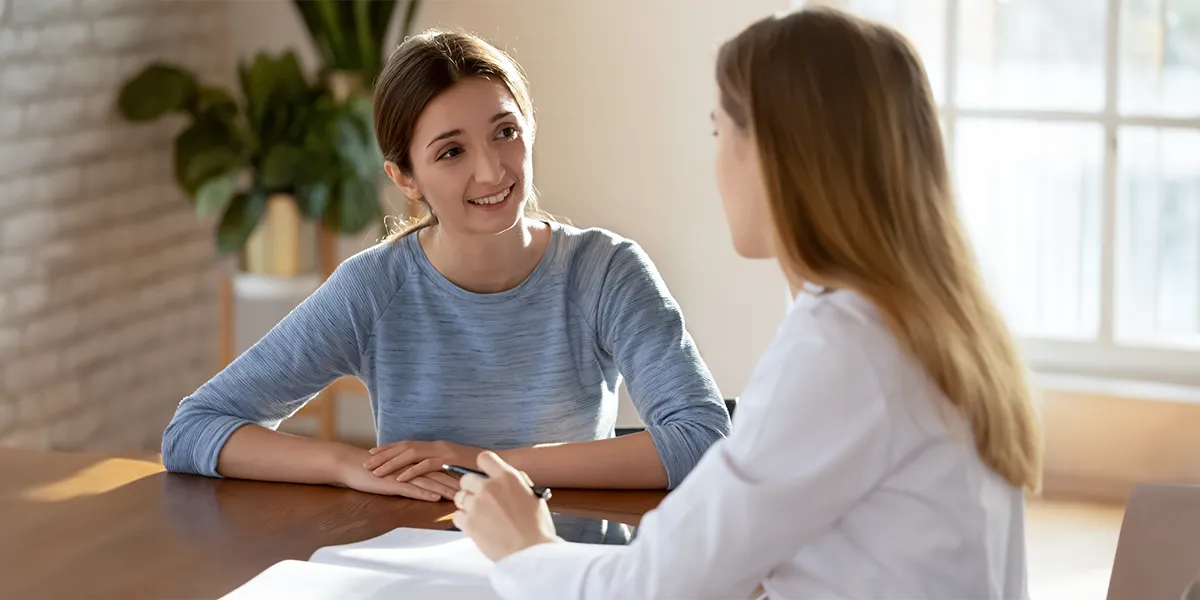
point(883, 444)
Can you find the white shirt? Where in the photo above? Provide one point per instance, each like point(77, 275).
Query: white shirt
point(848, 475)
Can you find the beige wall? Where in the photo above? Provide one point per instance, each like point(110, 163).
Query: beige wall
point(623, 92)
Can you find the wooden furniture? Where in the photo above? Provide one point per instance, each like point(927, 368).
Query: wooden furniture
point(118, 526)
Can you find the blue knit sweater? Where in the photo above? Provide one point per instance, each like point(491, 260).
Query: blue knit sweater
point(539, 363)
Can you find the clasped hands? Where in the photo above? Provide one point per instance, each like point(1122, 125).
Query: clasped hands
point(408, 468)
point(499, 513)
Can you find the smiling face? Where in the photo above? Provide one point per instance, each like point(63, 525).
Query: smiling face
point(471, 158)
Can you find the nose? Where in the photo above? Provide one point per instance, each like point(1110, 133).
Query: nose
point(488, 168)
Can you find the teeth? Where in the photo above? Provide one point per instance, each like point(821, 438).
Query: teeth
point(492, 199)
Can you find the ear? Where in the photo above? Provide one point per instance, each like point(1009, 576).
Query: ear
point(402, 181)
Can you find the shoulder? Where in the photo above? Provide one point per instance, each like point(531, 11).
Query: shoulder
point(596, 249)
point(599, 263)
point(596, 257)
point(837, 345)
point(839, 327)
point(377, 272)
point(816, 379)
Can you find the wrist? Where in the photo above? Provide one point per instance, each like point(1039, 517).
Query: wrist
point(538, 541)
point(515, 457)
point(339, 459)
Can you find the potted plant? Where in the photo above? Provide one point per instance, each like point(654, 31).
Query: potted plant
point(348, 36)
point(287, 155)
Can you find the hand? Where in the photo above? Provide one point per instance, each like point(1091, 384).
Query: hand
point(431, 487)
point(414, 459)
point(501, 513)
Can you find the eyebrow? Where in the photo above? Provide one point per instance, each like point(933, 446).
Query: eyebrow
point(454, 132)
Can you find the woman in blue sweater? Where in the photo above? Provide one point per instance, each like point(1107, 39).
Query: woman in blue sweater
point(484, 325)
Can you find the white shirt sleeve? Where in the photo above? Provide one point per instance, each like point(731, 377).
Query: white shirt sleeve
point(810, 440)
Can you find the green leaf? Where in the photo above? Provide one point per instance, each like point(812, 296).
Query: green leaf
point(281, 168)
point(313, 199)
point(310, 14)
point(215, 100)
point(277, 94)
point(258, 83)
point(378, 22)
point(355, 147)
point(289, 77)
point(209, 163)
point(332, 15)
point(207, 147)
point(356, 206)
point(215, 193)
point(365, 48)
point(239, 221)
point(155, 91)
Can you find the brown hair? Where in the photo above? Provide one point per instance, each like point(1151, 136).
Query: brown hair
point(856, 180)
point(418, 71)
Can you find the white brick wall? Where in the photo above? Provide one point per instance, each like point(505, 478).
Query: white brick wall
point(107, 279)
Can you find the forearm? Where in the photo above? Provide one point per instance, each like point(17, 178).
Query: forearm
point(625, 462)
point(255, 452)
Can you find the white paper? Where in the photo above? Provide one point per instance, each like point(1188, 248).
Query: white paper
point(403, 563)
point(414, 552)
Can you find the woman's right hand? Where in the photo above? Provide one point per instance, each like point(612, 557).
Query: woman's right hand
point(430, 487)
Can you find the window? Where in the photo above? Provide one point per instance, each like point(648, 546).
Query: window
point(1073, 131)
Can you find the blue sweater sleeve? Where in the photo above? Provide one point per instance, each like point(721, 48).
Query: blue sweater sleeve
point(320, 340)
point(641, 325)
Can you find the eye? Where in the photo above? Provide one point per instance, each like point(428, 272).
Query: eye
point(508, 131)
point(450, 153)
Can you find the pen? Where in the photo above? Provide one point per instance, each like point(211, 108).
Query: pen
point(539, 491)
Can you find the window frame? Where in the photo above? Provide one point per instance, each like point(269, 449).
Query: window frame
point(1103, 356)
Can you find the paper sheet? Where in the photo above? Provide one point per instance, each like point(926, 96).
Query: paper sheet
point(412, 552)
point(403, 563)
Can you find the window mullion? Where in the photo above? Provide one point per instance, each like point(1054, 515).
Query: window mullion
point(950, 87)
point(1108, 198)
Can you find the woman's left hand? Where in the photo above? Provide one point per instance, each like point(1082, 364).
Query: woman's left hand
point(501, 513)
point(419, 458)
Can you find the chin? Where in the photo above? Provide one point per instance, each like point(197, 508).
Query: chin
point(501, 218)
point(753, 249)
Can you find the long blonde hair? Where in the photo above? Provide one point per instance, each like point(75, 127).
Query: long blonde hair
point(855, 175)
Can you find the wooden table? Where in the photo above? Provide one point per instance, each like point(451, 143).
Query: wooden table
point(118, 526)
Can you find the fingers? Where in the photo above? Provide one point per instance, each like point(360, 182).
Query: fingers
point(437, 487)
point(471, 483)
point(415, 492)
point(464, 501)
point(445, 479)
point(460, 521)
point(426, 466)
point(378, 449)
point(383, 454)
point(395, 463)
point(493, 465)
